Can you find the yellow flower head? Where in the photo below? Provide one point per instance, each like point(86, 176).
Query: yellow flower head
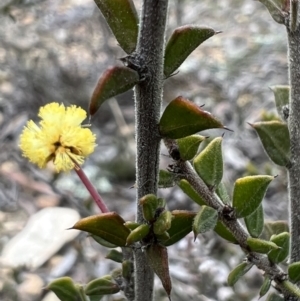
point(59, 137)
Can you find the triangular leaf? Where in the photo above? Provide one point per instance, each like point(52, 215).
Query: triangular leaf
point(113, 81)
point(275, 138)
point(248, 194)
point(109, 226)
point(182, 42)
point(158, 260)
point(188, 146)
point(122, 19)
point(209, 163)
point(183, 118)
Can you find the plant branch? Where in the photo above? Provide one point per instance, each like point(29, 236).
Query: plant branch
point(148, 60)
point(261, 261)
point(294, 129)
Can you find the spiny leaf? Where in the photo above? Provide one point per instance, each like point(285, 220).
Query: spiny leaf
point(122, 19)
point(115, 80)
point(109, 226)
point(182, 43)
point(182, 118)
point(275, 138)
point(248, 194)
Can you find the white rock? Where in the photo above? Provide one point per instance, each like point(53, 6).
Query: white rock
point(44, 234)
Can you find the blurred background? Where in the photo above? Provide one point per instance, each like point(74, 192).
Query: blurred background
point(55, 50)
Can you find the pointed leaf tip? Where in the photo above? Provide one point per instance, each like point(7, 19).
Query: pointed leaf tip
point(109, 226)
point(114, 81)
point(182, 118)
point(248, 193)
point(275, 138)
point(183, 41)
point(122, 18)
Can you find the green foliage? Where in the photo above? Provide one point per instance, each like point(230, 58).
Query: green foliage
point(248, 194)
point(182, 118)
point(205, 220)
point(65, 289)
point(282, 240)
point(182, 43)
point(238, 272)
point(122, 18)
point(102, 286)
point(275, 138)
point(113, 81)
point(265, 286)
point(188, 146)
point(255, 222)
point(181, 226)
point(209, 163)
point(294, 272)
point(109, 226)
point(261, 246)
point(158, 260)
point(138, 234)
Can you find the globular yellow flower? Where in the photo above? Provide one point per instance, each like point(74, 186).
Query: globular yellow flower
point(59, 137)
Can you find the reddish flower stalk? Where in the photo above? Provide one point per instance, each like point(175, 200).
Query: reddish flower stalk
point(92, 190)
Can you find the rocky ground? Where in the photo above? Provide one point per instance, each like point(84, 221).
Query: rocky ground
point(55, 51)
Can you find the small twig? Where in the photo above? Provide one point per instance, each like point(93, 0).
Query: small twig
point(91, 189)
point(294, 7)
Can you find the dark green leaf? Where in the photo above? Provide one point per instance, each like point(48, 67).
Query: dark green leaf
point(65, 289)
point(115, 256)
point(205, 220)
point(188, 146)
point(282, 240)
point(109, 226)
point(113, 81)
point(209, 163)
point(275, 138)
point(248, 194)
point(265, 286)
point(222, 231)
point(138, 234)
point(183, 118)
point(260, 245)
point(150, 204)
point(255, 222)
point(163, 223)
point(191, 192)
point(238, 272)
point(122, 19)
point(181, 44)
point(222, 193)
point(166, 179)
point(103, 242)
point(101, 286)
point(181, 226)
point(294, 271)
